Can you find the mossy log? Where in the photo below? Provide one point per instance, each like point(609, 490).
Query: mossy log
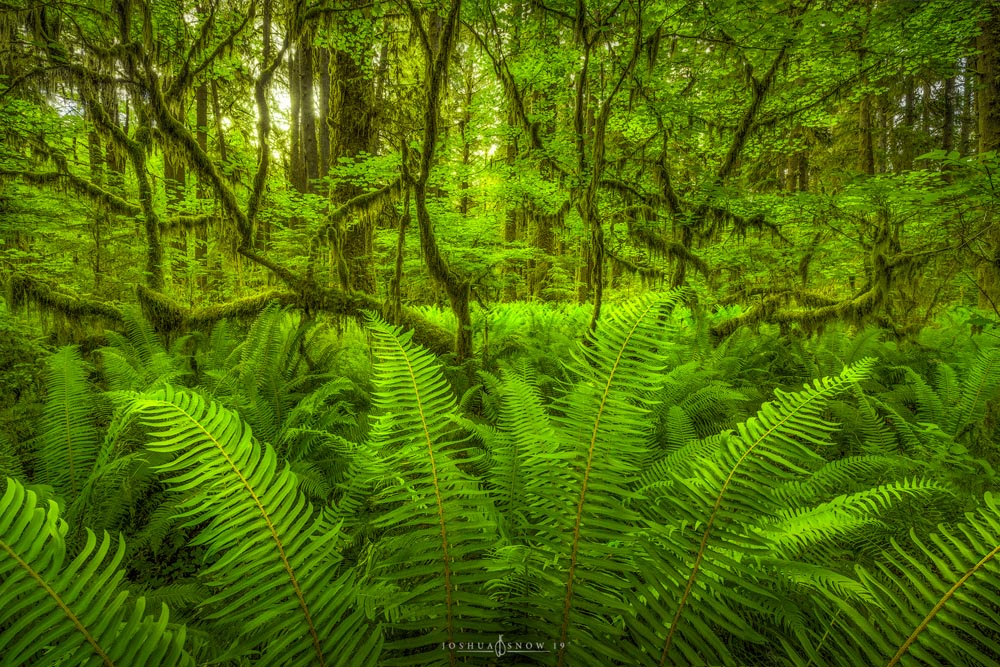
point(169, 317)
point(24, 291)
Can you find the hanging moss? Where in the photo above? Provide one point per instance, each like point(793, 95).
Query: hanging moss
point(77, 185)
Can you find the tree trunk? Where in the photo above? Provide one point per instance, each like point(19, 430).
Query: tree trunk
point(866, 153)
point(296, 167)
point(96, 218)
point(173, 184)
point(437, 51)
point(351, 133)
point(201, 233)
point(988, 96)
point(324, 112)
point(968, 119)
point(948, 122)
point(310, 145)
point(988, 90)
point(906, 130)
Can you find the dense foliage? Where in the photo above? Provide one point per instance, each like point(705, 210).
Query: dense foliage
point(807, 160)
point(654, 499)
point(643, 331)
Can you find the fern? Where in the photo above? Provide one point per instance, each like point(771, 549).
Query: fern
point(937, 601)
point(10, 462)
point(54, 612)
point(686, 614)
point(439, 523)
point(276, 560)
point(68, 442)
point(137, 359)
point(563, 582)
point(979, 386)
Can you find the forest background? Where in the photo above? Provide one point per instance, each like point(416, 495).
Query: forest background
point(231, 212)
point(801, 162)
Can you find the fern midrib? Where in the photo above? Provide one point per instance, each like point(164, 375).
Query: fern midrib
point(437, 495)
point(711, 521)
point(939, 606)
point(59, 601)
point(69, 432)
point(567, 604)
point(270, 526)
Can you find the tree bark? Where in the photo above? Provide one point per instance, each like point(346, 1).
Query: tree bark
point(201, 233)
point(988, 96)
point(436, 55)
point(173, 183)
point(310, 144)
point(351, 125)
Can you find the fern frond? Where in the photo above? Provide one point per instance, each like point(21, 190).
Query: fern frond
point(68, 443)
point(929, 406)
point(937, 600)
point(851, 514)
point(579, 492)
point(528, 432)
point(54, 612)
point(979, 386)
point(441, 524)
point(947, 384)
point(137, 359)
point(10, 462)
point(733, 486)
point(276, 557)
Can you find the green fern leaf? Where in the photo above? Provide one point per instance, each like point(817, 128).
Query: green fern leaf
point(54, 612)
point(440, 524)
point(732, 487)
point(276, 559)
point(937, 600)
point(68, 442)
point(580, 493)
point(979, 386)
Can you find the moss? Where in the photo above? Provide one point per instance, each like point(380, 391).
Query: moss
point(169, 317)
point(24, 291)
point(245, 308)
point(165, 314)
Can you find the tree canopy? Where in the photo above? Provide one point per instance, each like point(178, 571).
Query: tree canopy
point(802, 161)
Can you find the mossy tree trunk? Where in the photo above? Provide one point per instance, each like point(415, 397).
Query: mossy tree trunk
point(437, 43)
point(351, 126)
point(988, 94)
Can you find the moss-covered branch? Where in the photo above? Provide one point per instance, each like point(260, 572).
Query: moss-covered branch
point(24, 291)
point(368, 202)
point(168, 316)
point(666, 248)
point(857, 310)
point(189, 221)
point(81, 186)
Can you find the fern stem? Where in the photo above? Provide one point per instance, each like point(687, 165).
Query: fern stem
point(939, 606)
point(823, 639)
